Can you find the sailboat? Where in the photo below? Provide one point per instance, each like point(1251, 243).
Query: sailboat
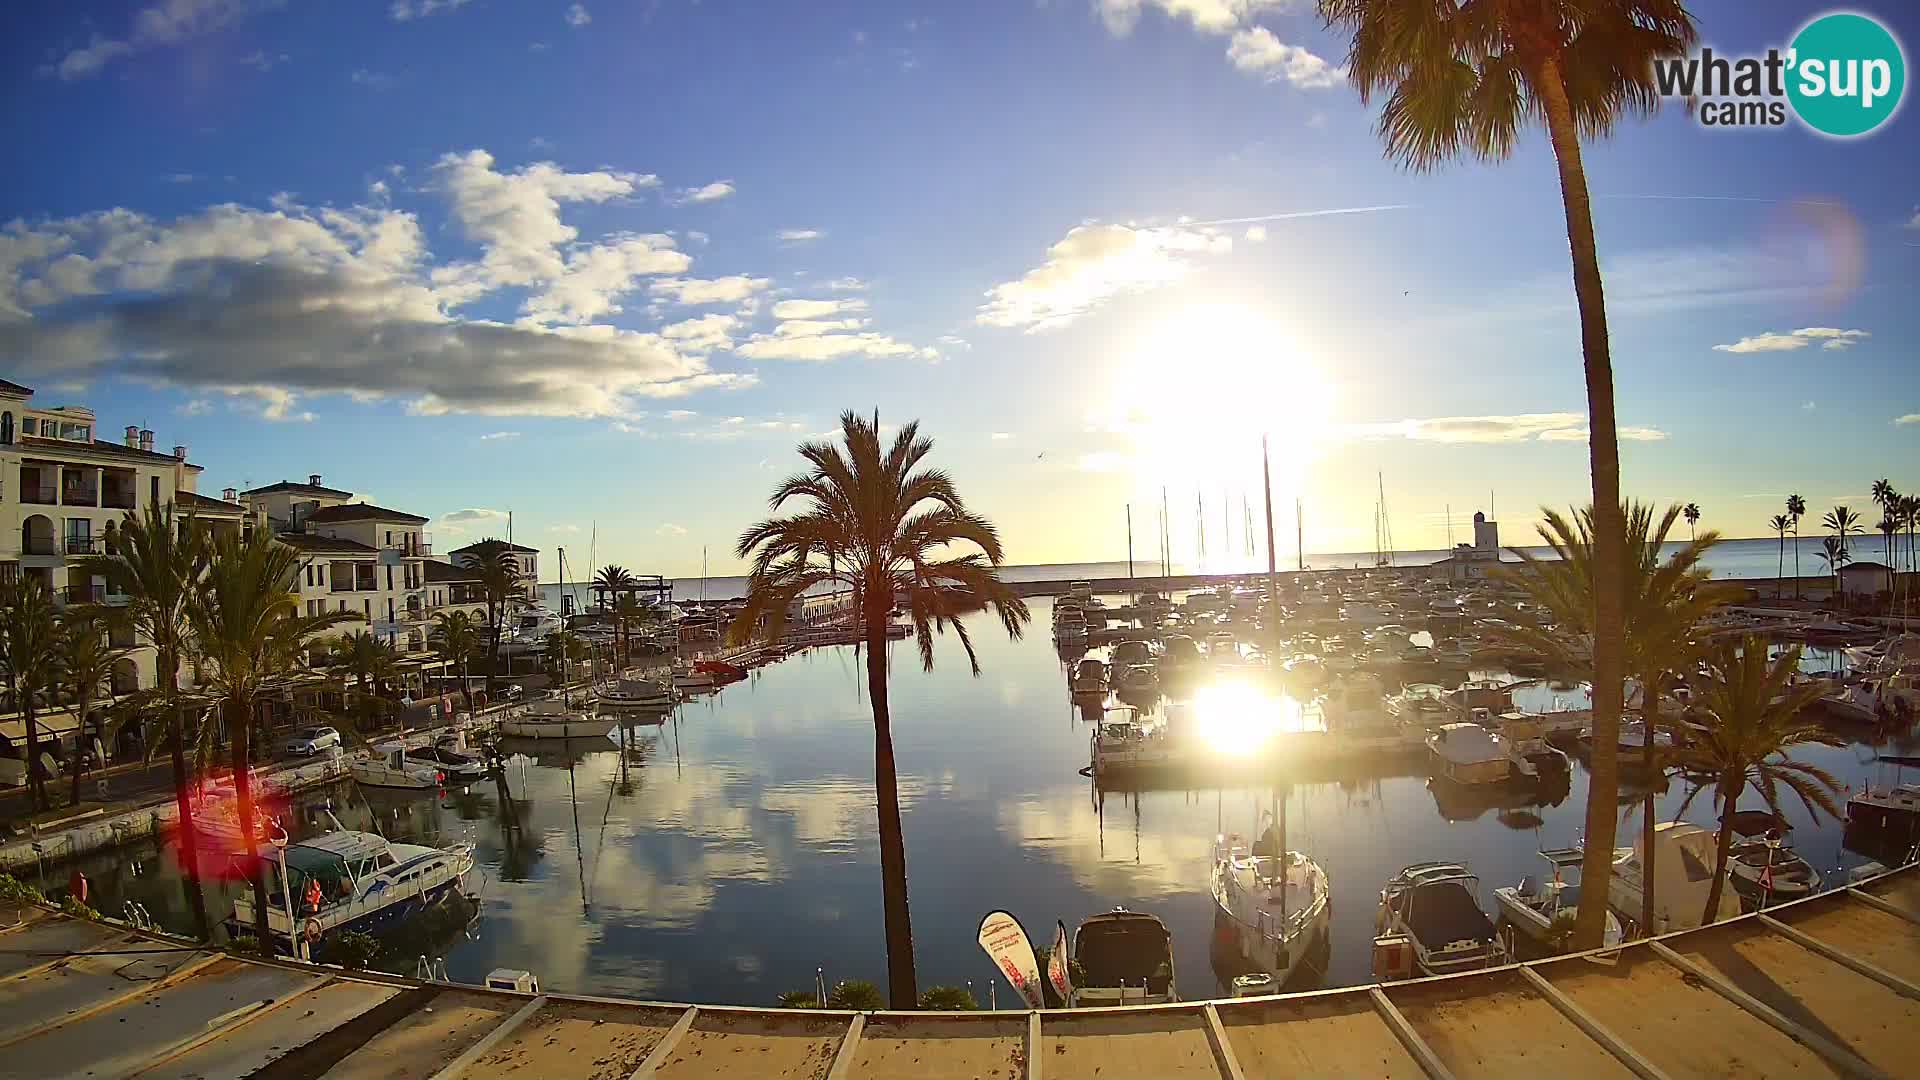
point(556, 718)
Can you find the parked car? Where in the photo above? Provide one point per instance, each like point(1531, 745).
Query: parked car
point(307, 742)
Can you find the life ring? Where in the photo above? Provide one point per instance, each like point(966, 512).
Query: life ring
point(311, 931)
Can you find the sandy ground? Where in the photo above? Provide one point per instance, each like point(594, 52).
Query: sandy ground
point(577, 1041)
point(1888, 942)
point(1165, 1045)
point(423, 1044)
point(1330, 1036)
point(933, 1049)
point(1497, 1026)
point(763, 1047)
point(1903, 890)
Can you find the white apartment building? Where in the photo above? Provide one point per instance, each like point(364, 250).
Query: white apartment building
point(526, 558)
point(359, 557)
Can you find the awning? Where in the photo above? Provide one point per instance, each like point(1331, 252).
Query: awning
point(55, 724)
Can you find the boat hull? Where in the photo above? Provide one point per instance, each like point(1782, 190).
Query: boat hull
point(570, 728)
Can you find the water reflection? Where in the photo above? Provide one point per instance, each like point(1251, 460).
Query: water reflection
point(723, 855)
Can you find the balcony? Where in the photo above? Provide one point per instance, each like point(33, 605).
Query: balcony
point(84, 594)
point(86, 545)
point(38, 545)
point(115, 499)
point(41, 494)
point(79, 495)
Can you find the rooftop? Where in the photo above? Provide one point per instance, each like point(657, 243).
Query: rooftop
point(444, 572)
point(101, 446)
point(490, 545)
point(324, 544)
point(201, 504)
point(14, 388)
point(361, 512)
point(299, 489)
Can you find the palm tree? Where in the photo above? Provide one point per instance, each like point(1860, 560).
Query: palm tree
point(158, 564)
point(1886, 498)
point(610, 582)
point(1842, 522)
point(369, 660)
point(1796, 509)
point(85, 674)
point(30, 662)
point(456, 638)
point(1692, 513)
point(499, 575)
point(1779, 524)
point(1465, 78)
point(890, 535)
point(249, 635)
point(1753, 717)
point(1664, 604)
point(1834, 553)
point(626, 611)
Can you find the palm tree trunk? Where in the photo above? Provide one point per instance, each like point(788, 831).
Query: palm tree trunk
point(1781, 571)
point(901, 990)
point(240, 730)
point(79, 751)
point(189, 836)
point(466, 687)
point(1609, 621)
point(1730, 788)
point(38, 782)
point(1649, 708)
point(1796, 560)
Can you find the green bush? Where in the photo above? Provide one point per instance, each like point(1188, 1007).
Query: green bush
point(947, 999)
point(79, 910)
point(15, 891)
point(856, 994)
point(353, 950)
point(798, 999)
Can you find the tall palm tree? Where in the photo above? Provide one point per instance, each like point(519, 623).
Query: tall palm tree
point(1665, 602)
point(249, 635)
point(610, 582)
point(369, 661)
point(1779, 524)
point(1834, 553)
point(1796, 509)
point(158, 563)
point(876, 524)
point(1841, 522)
point(1465, 78)
point(1753, 716)
point(499, 576)
point(628, 610)
point(1692, 513)
point(30, 662)
point(1886, 498)
point(85, 674)
point(455, 637)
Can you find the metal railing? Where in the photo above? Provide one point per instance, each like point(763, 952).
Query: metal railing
point(42, 494)
point(79, 496)
point(39, 545)
point(117, 500)
point(85, 545)
point(84, 594)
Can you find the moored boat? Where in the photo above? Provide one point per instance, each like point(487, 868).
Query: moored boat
point(1532, 907)
point(345, 880)
point(1125, 958)
point(1683, 872)
point(1436, 906)
point(390, 767)
point(1272, 904)
point(553, 719)
point(1090, 678)
point(1469, 754)
point(637, 694)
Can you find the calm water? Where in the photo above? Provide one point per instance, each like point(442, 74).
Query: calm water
point(734, 850)
point(1753, 558)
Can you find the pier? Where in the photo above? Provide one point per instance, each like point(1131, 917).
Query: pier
point(1829, 985)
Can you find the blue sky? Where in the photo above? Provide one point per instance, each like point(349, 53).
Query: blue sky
point(603, 264)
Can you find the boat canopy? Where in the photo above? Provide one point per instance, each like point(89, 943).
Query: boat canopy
point(1124, 948)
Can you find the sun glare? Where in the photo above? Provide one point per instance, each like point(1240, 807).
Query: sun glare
point(1235, 719)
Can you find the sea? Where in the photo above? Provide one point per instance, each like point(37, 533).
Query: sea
point(727, 853)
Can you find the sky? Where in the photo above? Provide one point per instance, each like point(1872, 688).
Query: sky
point(604, 264)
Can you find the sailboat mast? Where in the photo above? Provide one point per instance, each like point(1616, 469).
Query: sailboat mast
point(1129, 540)
point(1299, 544)
point(1200, 521)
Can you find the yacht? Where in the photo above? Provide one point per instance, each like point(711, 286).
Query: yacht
point(1090, 678)
point(390, 767)
point(1526, 738)
point(457, 763)
point(1271, 903)
point(1125, 958)
point(1493, 694)
point(346, 880)
point(637, 694)
point(1125, 744)
point(529, 630)
point(1894, 806)
point(1532, 907)
point(1683, 869)
point(1469, 754)
point(552, 718)
point(1436, 906)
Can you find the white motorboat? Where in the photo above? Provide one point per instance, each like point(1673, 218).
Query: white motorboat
point(1122, 743)
point(1765, 871)
point(1533, 756)
point(1125, 958)
point(1887, 655)
point(1894, 806)
point(390, 767)
point(529, 630)
point(1139, 679)
point(1272, 904)
point(1683, 872)
point(457, 763)
point(1850, 700)
point(551, 718)
point(1090, 678)
point(1469, 754)
point(346, 880)
point(687, 677)
point(1436, 906)
point(216, 818)
point(1532, 907)
point(1494, 695)
point(637, 694)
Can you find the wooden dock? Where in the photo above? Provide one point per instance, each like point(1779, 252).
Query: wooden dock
point(1828, 986)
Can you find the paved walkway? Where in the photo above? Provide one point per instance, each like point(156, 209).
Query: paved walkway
point(1829, 986)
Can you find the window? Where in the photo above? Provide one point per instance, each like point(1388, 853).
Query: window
point(153, 490)
point(383, 860)
point(6, 428)
point(366, 608)
point(27, 426)
point(389, 569)
point(389, 537)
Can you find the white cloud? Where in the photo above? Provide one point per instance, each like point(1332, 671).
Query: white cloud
point(404, 10)
point(1914, 221)
point(1771, 341)
point(679, 415)
point(1521, 427)
point(696, 291)
point(472, 521)
point(568, 528)
point(1256, 234)
point(195, 407)
point(1091, 265)
point(1002, 436)
point(1808, 406)
point(719, 189)
point(596, 276)
point(578, 16)
point(670, 529)
point(1207, 16)
point(702, 334)
point(952, 342)
point(493, 436)
point(815, 309)
point(799, 341)
point(261, 60)
point(1910, 418)
point(847, 284)
point(1257, 51)
point(168, 23)
point(798, 236)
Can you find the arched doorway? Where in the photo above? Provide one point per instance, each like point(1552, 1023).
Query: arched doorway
point(6, 429)
point(36, 535)
point(126, 676)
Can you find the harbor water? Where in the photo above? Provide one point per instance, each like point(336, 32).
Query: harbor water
point(731, 850)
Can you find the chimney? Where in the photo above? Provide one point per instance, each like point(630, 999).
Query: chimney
point(231, 495)
point(133, 435)
point(146, 439)
point(313, 479)
point(179, 453)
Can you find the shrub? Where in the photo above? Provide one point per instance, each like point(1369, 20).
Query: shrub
point(947, 999)
point(353, 950)
point(798, 999)
point(855, 994)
